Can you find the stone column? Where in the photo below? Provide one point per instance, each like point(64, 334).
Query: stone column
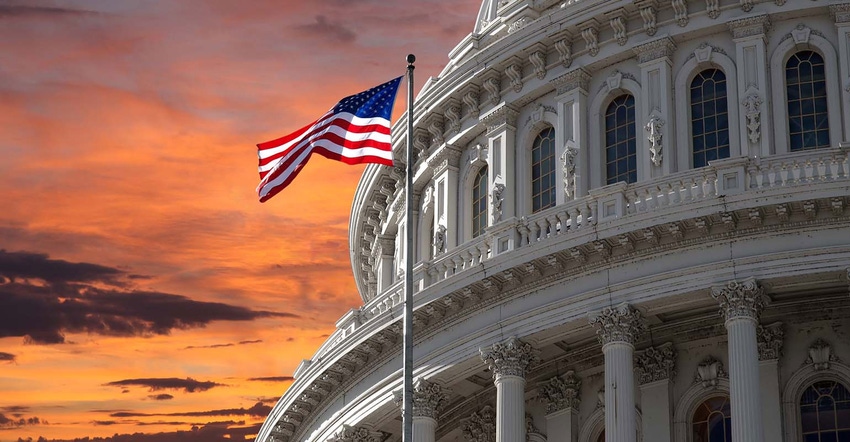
point(561, 396)
point(656, 368)
point(618, 328)
point(508, 361)
point(750, 39)
point(770, 339)
point(571, 133)
point(740, 305)
point(656, 120)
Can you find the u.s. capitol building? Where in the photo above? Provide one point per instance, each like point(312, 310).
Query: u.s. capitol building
point(631, 224)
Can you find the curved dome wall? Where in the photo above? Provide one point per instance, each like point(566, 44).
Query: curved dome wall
point(633, 203)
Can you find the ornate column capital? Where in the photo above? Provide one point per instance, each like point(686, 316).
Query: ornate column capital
point(617, 324)
point(740, 300)
point(428, 398)
point(499, 118)
point(770, 339)
point(757, 25)
point(656, 363)
point(561, 392)
point(509, 358)
point(575, 79)
point(841, 13)
point(480, 426)
point(357, 434)
point(657, 49)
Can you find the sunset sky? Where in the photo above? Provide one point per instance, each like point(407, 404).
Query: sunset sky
point(143, 288)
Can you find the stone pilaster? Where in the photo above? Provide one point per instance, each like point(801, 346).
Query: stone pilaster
point(571, 132)
point(618, 328)
point(562, 399)
point(656, 368)
point(740, 304)
point(501, 136)
point(770, 339)
point(509, 361)
point(750, 35)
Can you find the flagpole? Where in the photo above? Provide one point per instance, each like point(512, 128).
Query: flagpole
point(407, 408)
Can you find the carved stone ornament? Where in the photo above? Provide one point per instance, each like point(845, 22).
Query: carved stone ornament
point(493, 89)
point(680, 12)
point(770, 339)
point(618, 25)
point(618, 324)
point(510, 358)
point(750, 26)
point(840, 12)
point(480, 426)
point(656, 363)
point(561, 392)
point(740, 300)
point(654, 136)
point(712, 7)
point(709, 372)
point(514, 73)
point(820, 355)
point(591, 39)
point(500, 117)
point(657, 49)
point(752, 109)
point(439, 239)
point(574, 79)
point(428, 398)
point(564, 47)
point(358, 434)
point(649, 15)
point(568, 159)
point(496, 200)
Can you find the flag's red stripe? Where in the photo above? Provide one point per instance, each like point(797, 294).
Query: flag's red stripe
point(336, 139)
point(287, 138)
point(352, 160)
point(274, 190)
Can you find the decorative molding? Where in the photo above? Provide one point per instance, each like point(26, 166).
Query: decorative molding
point(649, 13)
point(514, 73)
point(712, 7)
point(575, 79)
point(654, 136)
point(564, 46)
point(740, 300)
point(480, 426)
point(709, 372)
point(452, 113)
point(494, 89)
point(820, 355)
point(510, 358)
point(537, 58)
point(747, 5)
point(568, 161)
point(428, 398)
point(840, 13)
point(770, 339)
point(561, 392)
point(656, 363)
point(617, 324)
point(659, 48)
point(617, 20)
point(801, 34)
point(752, 109)
point(758, 25)
point(680, 12)
point(518, 24)
point(591, 37)
point(500, 117)
point(470, 99)
point(358, 434)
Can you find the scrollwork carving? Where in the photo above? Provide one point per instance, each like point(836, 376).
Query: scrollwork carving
point(752, 109)
point(568, 160)
point(654, 136)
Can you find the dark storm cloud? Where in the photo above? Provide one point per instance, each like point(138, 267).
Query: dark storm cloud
point(10, 11)
point(161, 397)
point(188, 385)
point(210, 432)
point(324, 29)
point(258, 410)
point(6, 357)
point(7, 423)
point(41, 299)
point(229, 344)
point(273, 379)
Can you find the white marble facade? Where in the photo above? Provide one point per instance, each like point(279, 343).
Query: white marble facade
point(704, 293)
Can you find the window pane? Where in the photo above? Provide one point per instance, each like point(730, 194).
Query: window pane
point(806, 90)
point(479, 203)
point(543, 169)
point(709, 117)
point(621, 148)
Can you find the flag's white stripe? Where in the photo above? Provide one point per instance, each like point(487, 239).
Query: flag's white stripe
point(353, 153)
point(346, 135)
point(266, 187)
point(351, 118)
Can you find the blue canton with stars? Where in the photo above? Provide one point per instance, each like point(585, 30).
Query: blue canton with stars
point(375, 102)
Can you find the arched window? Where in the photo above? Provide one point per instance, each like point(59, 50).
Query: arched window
point(712, 421)
point(709, 117)
point(479, 202)
point(543, 170)
point(805, 83)
point(825, 412)
point(620, 147)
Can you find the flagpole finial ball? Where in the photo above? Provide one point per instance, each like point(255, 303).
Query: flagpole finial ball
point(411, 58)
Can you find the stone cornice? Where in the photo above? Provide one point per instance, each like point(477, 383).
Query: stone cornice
point(620, 324)
point(574, 79)
point(754, 26)
point(661, 48)
point(499, 118)
point(740, 300)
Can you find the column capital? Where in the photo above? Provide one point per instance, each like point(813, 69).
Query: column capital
point(618, 324)
point(740, 300)
point(357, 434)
point(754, 26)
point(656, 363)
point(480, 426)
point(509, 358)
point(561, 392)
point(658, 49)
point(428, 398)
point(500, 117)
point(575, 79)
point(841, 13)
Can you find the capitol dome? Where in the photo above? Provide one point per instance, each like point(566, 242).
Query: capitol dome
point(631, 224)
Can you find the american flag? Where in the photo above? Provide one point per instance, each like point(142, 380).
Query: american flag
point(356, 130)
